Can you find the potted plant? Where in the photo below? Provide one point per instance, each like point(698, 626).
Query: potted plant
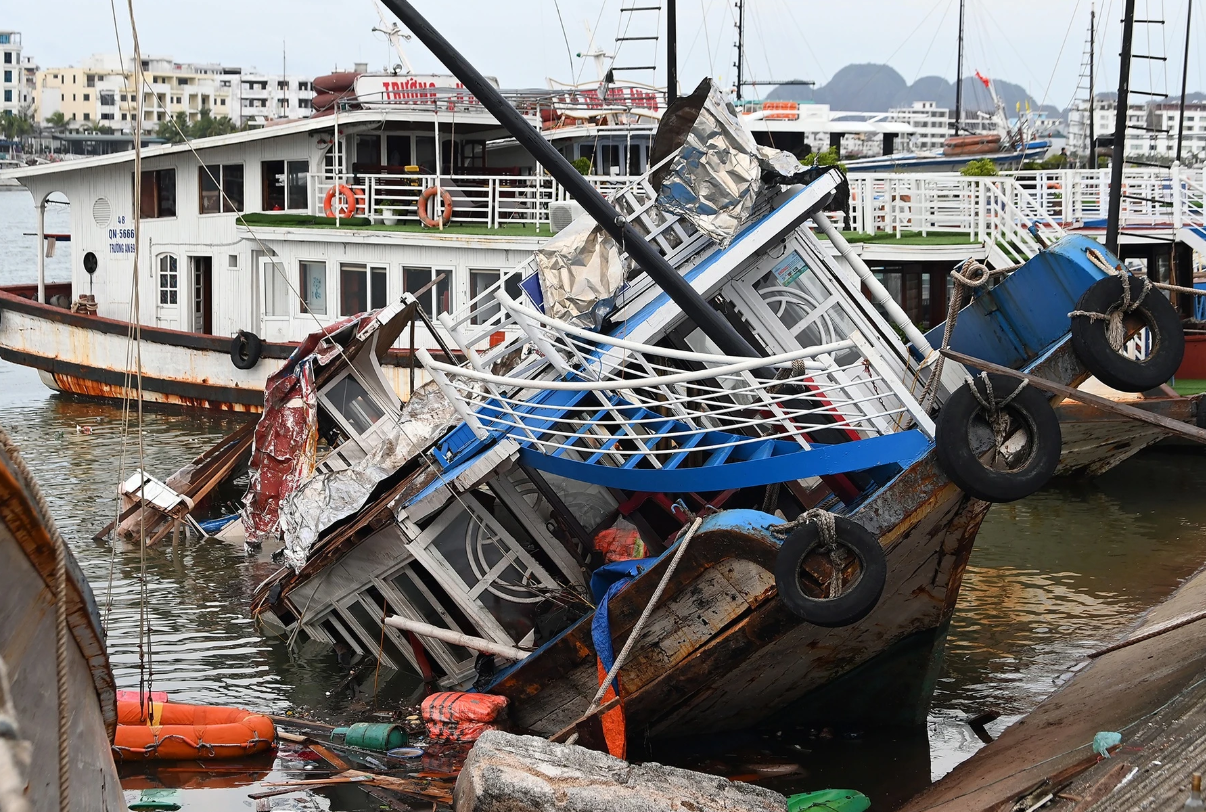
point(388, 210)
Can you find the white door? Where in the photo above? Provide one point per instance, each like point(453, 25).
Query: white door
point(277, 297)
point(168, 295)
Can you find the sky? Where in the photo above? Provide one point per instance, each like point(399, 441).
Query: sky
point(1039, 44)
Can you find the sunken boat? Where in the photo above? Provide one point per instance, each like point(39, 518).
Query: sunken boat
point(686, 364)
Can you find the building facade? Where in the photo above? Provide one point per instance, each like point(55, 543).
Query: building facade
point(264, 97)
point(12, 77)
point(1151, 128)
point(932, 124)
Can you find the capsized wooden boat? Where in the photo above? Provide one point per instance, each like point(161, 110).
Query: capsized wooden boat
point(28, 595)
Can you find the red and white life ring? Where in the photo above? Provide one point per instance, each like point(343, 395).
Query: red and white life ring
point(348, 201)
point(425, 202)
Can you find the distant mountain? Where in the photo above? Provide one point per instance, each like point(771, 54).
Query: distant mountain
point(877, 88)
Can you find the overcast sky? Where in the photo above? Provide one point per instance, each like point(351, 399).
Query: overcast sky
point(1035, 43)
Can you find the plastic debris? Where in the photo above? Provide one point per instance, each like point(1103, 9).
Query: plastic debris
point(462, 717)
point(829, 800)
point(1104, 740)
point(405, 752)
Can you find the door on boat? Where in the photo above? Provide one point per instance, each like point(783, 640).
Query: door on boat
point(201, 274)
point(275, 293)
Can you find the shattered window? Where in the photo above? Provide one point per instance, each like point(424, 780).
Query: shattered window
point(352, 400)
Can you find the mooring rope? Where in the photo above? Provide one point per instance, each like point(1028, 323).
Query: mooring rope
point(60, 631)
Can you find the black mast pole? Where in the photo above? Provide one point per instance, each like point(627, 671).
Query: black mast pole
point(1092, 87)
point(1124, 90)
point(671, 51)
point(740, 47)
point(1184, 79)
point(959, 74)
point(694, 306)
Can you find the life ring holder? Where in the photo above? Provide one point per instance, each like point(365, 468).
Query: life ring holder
point(425, 199)
point(349, 201)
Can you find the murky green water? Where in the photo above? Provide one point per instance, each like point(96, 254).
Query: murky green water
point(1051, 578)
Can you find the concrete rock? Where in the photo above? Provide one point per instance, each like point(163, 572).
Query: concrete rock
point(508, 773)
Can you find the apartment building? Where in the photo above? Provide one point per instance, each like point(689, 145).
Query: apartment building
point(1141, 139)
point(931, 123)
point(12, 77)
point(101, 91)
point(266, 97)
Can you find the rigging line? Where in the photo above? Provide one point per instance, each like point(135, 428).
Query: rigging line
point(762, 37)
point(930, 47)
point(1009, 41)
point(565, 35)
point(146, 674)
point(904, 42)
point(703, 15)
point(1059, 55)
point(594, 34)
point(804, 39)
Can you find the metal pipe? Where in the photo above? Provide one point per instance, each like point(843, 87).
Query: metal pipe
point(959, 73)
point(1124, 90)
point(42, 250)
point(879, 294)
point(1184, 79)
point(1092, 87)
point(456, 638)
point(694, 306)
point(671, 51)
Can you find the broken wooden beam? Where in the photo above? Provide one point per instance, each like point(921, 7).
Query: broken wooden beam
point(1170, 425)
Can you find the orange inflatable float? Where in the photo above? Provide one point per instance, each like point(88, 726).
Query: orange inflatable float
point(176, 731)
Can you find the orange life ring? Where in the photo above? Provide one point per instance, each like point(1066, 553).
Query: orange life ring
point(176, 732)
point(349, 201)
point(425, 200)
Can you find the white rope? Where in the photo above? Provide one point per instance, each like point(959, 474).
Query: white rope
point(60, 631)
point(640, 624)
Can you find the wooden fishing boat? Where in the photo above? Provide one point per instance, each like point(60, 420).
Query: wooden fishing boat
point(34, 689)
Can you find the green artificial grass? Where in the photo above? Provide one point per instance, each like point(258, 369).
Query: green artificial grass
point(906, 238)
point(1189, 386)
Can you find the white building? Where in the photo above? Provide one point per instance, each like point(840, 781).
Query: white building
point(931, 123)
point(12, 77)
point(263, 97)
point(1138, 141)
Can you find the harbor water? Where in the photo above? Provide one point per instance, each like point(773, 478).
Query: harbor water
point(1052, 578)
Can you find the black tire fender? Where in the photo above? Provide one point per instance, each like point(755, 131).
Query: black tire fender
point(854, 603)
point(956, 451)
point(246, 348)
point(1092, 346)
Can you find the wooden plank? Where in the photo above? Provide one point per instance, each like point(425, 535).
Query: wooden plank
point(1170, 425)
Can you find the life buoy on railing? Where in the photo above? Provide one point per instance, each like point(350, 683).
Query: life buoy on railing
point(348, 201)
point(425, 202)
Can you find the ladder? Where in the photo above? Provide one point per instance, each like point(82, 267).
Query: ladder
point(1149, 49)
point(636, 50)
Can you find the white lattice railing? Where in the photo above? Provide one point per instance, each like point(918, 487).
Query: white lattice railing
point(634, 400)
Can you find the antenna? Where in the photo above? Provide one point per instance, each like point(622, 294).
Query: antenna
point(595, 52)
point(394, 33)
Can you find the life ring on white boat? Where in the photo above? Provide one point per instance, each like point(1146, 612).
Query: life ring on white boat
point(1091, 323)
point(348, 202)
point(803, 556)
point(425, 199)
point(246, 348)
point(997, 439)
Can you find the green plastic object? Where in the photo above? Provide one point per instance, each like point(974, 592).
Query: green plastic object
point(159, 800)
point(380, 737)
point(829, 800)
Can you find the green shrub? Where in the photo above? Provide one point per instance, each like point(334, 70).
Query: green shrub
point(582, 165)
point(981, 168)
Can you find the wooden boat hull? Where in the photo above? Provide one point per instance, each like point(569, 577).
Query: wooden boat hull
point(27, 646)
point(1096, 441)
point(91, 356)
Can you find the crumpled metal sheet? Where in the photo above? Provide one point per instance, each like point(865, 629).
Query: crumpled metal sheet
point(578, 268)
point(326, 498)
point(716, 179)
point(284, 451)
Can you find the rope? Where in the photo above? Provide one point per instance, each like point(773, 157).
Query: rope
point(993, 408)
point(826, 524)
point(1115, 329)
point(971, 274)
point(640, 624)
point(60, 632)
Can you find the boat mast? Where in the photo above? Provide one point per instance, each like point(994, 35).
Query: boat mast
point(1124, 89)
point(671, 51)
point(1184, 79)
point(1092, 86)
point(694, 306)
point(740, 46)
point(959, 73)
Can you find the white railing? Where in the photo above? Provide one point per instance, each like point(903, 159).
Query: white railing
point(488, 201)
point(657, 403)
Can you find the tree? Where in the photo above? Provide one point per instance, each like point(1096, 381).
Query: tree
point(174, 130)
point(14, 127)
point(57, 120)
point(979, 169)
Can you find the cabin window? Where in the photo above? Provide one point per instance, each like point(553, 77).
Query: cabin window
point(480, 281)
point(314, 287)
point(221, 188)
point(425, 154)
point(169, 280)
point(349, 397)
point(473, 155)
point(608, 159)
point(285, 185)
point(438, 298)
point(397, 150)
point(362, 288)
point(368, 151)
point(158, 194)
point(634, 160)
